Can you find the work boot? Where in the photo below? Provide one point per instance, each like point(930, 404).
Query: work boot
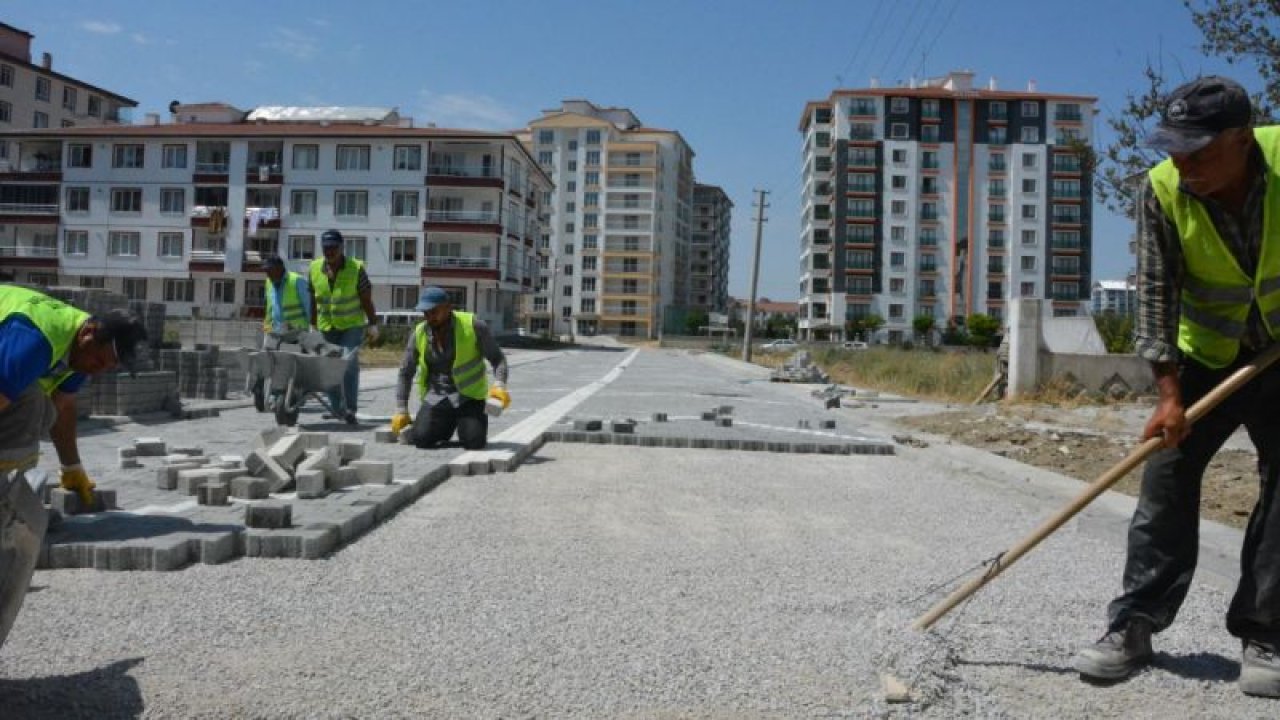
point(1119, 653)
point(350, 417)
point(1260, 669)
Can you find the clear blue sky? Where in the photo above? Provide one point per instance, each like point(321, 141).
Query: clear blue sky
point(731, 76)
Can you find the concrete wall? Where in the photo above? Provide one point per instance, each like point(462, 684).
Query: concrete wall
point(1035, 362)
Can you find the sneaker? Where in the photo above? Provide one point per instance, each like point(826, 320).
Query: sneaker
point(1260, 669)
point(1118, 654)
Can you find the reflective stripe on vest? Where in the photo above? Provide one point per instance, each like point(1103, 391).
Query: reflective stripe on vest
point(468, 363)
point(1216, 292)
point(337, 307)
point(56, 320)
point(294, 318)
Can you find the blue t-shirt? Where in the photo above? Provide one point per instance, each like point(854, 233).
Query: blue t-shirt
point(25, 354)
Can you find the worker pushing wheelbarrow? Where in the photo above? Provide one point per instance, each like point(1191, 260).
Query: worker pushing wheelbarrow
point(292, 366)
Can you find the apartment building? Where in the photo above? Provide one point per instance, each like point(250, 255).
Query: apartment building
point(183, 212)
point(709, 249)
point(1114, 296)
point(34, 96)
point(616, 246)
point(942, 199)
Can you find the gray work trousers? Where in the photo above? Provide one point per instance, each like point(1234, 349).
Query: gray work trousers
point(22, 425)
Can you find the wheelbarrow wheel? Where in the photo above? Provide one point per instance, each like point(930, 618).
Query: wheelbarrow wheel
point(260, 396)
point(286, 417)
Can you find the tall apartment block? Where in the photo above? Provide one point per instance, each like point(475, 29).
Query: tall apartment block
point(709, 250)
point(183, 212)
point(34, 96)
point(616, 245)
point(942, 200)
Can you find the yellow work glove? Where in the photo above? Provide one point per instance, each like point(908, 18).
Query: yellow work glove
point(400, 421)
point(500, 393)
point(76, 479)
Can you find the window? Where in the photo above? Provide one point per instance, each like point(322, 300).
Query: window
point(897, 285)
point(573, 146)
point(1028, 237)
point(302, 247)
point(590, 242)
point(173, 156)
point(40, 120)
point(127, 156)
point(899, 105)
point(77, 199)
point(546, 137)
point(930, 108)
point(355, 246)
point(95, 105)
point(899, 131)
point(593, 157)
point(570, 207)
point(1031, 134)
point(995, 237)
point(590, 220)
point(544, 157)
point(929, 159)
point(302, 202)
point(404, 203)
point(92, 281)
point(590, 178)
point(573, 166)
point(6, 75)
point(126, 200)
point(898, 208)
point(929, 185)
point(123, 244)
point(897, 259)
point(6, 111)
point(1029, 160)
point(404, 297)
point(591, 199)
point(995, 212)
point(1030, 108)
point(997, 136)
point(996, 187)
point(930, 133)
point(929, 211)
point(1028, 212)
point(862, 157)
point(135, 288)
point(899, 156)
point(407, 157)
point(404, 249)
point(350, 203)
point(1027, 289)
point(306, 157)
point(69, 98)
point(179, 290)
point(353, 157)
point(899, 182)
point(1028, 185)
point(862, 131)
point(222, 291)
point(589, 265)
point(173, 200)
point(171, 244)
point(588, 284)
point(1027, 262)
point(75, 242)
point(43, 88)
point(996, 163)
point(997, 110)
point(895, 311)
point(898, 233)
point(593, 137)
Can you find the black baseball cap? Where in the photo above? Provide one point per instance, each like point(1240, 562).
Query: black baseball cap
point(125, 332)
point(273, 262)
point(1193, 114)
point(331, 238)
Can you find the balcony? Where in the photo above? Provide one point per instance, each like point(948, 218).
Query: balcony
point(212, 168)
point(1063, 115)
point(449, 262)
point(28, 209)
point(624, 310)
point(462, 219)
point(264, 174)
point(42, 250)
point(443, 175)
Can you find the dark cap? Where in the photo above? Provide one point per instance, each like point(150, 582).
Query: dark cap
point(273, 262)
point(331, 238)
point(431, 297)
point(1193, 114)
point(125, 332)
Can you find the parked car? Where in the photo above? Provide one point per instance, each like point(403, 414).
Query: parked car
point(783, 345)
point(853, 345)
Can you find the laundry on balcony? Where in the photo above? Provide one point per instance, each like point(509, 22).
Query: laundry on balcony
point(257, 215)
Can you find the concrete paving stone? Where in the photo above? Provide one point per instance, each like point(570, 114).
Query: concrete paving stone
point(260, 464)
point(189, 450)
point(373, 471)
point(625, 439)
point(308, 543)
point(214, 548)
point(64, 501)
point(753, 445)
point(431, 479)
point(650, 441)
point(345, 477)
point(104, 499)
point(803, 447)
point(679, 441)
point(588, 425)
point(622, 426)
point(268, 515)
point(776, 446)
point(384, 435)
point(129, 464)
point(213, 492)
point(232, 459)
point(268, 437)
point(709, 415)
point(322, 459)
point(700, 442)
point(348, 449)
point(831, 449)
point(828, 425)
point(311, 484)
point(189, 481)
point(803, 424)
point(190, 460)
point(247, 487)
point(725, 410)
point(315, 440)
point(129, 452)
point(357, 519)
point(288, 450)
point(659, 417)
point(724, 422)
point(149, 447)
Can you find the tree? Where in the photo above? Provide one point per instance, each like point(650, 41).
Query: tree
point(1116, 330)
point(694, 321)
point(984, 330)
point(870, 324)
point(924, 325)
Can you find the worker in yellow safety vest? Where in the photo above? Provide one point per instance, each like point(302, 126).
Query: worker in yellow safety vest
point(288, 296)
point(342, 309)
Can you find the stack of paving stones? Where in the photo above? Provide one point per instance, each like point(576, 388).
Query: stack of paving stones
point(200, 372)
point(125, 394)
point(799, 368)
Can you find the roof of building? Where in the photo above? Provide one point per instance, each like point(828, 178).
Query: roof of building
point(25, 62)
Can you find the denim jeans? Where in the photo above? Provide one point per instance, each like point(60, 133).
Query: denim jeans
point(1164, 533)
point(349, 339)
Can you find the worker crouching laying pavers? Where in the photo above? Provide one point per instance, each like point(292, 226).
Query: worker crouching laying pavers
point(447, 351)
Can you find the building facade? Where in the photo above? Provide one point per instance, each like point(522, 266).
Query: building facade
point(184, 212)
point(616, 243)
point(35, 96)
point(709, 249)
point(1114, 296)
point(943, 200)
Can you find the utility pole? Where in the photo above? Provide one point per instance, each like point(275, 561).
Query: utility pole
point(755, 274)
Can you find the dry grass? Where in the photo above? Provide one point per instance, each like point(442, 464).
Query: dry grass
point(385, 356)
point(943, 376)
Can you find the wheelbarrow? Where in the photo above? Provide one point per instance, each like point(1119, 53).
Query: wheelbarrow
point(292, 367)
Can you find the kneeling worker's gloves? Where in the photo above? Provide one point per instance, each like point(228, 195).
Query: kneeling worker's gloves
point(499, 392)
point(401, 420)
point(74, 478)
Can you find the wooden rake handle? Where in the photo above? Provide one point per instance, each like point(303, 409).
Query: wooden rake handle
point(1211, 400)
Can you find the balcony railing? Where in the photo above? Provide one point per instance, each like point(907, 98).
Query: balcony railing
point(489, 217)
point(458, 263)
point(624, 310)
point(28, 209)
point(1067, 116)
point(212, 168)
point(44, 164)
point(29, 251)
point(470, 171)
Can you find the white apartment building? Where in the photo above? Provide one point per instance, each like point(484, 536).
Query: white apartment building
point(709, 249)
point(34, 96)
point(1114, 296)
point(617, 237)
point(943, 200)
point(183, 212)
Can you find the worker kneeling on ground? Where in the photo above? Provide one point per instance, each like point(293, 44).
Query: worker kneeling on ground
point(47, 348)
point(447, 351)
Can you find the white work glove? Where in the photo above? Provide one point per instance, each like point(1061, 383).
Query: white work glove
point(371, 333)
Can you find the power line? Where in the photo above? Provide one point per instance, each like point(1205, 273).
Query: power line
point(941, 28)
point(866, 30)
point(906, 58)
point(906, 23)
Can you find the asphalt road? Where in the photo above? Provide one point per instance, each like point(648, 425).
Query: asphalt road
point(611, 581)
